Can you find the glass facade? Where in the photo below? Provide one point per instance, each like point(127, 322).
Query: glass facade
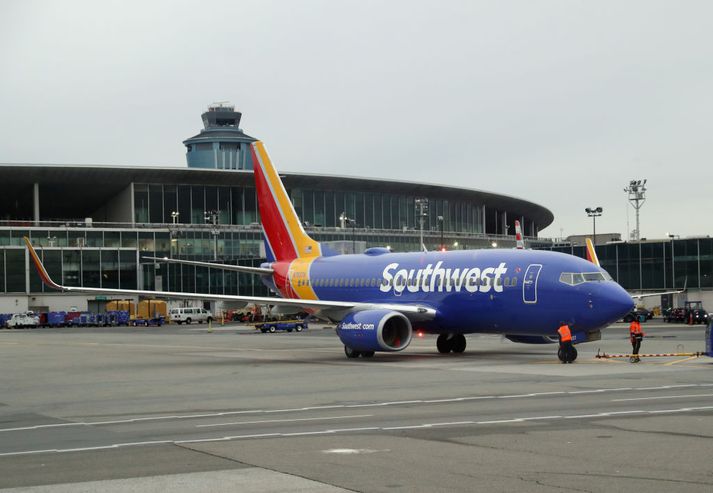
point(112, 259)
point(319, 208)
point(656, 266)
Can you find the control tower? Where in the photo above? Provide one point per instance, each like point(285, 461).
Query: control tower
point(221, 144)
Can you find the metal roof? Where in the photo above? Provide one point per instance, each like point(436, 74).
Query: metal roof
point(94, 183)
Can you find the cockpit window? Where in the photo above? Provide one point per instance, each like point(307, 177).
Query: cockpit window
point(575, 278)
point(594, 277)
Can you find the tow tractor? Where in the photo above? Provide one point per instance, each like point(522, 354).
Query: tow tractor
point(284, 325)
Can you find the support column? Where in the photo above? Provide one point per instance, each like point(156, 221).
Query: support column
point(36, 203)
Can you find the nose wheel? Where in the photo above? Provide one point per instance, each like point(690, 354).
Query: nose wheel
point(447, 343)
point(567, 358)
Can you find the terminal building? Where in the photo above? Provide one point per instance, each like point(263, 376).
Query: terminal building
point(94, 224)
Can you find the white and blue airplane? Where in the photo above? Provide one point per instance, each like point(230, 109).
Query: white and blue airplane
point(380, 299)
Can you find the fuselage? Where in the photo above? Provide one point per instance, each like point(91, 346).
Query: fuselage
point(518, 292)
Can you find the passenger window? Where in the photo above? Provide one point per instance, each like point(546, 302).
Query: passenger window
point(514, 282)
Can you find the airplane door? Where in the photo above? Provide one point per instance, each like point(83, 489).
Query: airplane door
point(529, 285)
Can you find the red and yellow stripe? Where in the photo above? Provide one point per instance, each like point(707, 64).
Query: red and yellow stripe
point(300, 280)
point(283, 228)
point(591, 252)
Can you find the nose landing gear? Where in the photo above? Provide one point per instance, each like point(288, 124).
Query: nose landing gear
point(566, 356)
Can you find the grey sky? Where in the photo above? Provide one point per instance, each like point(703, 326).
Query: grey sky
point(559, 102)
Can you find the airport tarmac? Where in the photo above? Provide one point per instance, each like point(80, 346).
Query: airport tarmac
point(232, 409)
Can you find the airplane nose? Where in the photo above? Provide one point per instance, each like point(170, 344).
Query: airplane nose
point(616, 303)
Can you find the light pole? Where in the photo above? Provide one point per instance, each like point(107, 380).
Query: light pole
point(421, 212)
point(211, 217)
point(173, 232)
point(442, 247)
point(594, 213)
point(352, 223)
point(637, 197)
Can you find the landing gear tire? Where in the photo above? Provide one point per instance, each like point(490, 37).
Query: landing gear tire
point(458, 343)
point(444, 344)
point(351, 353)
point(572, 356)
point(367, 354)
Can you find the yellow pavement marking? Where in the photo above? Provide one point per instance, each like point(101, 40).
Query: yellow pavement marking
point(680, 360)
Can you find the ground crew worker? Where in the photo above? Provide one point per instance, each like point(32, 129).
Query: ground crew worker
point(565, 336)
point(635, 336)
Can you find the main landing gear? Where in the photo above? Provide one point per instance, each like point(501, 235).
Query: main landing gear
point(352, 353)
point(450, 342)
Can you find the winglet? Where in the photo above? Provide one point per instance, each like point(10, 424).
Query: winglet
point(40, 267)
point(592, 253)
point(518, 236)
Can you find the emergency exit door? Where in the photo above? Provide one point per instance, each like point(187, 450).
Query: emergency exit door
point(529, 285)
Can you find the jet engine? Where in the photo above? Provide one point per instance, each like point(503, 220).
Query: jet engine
point(374, 330)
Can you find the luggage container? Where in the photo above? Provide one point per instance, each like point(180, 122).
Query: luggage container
point(56, 319)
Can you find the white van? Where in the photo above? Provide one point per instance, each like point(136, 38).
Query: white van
point(188, 315)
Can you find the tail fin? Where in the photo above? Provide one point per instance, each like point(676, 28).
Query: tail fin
point(284, 234)
point(592, 253)
point(518, 236)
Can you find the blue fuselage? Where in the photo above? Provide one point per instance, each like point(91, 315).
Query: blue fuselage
point(519, 292)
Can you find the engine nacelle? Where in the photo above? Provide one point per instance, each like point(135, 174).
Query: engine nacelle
point(375, 330)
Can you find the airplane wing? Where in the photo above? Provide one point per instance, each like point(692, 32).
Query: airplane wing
point(236, 268)
point(413, 312)
point(660, 293)
point(646, 295)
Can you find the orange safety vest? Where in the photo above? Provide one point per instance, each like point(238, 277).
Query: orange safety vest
point(635, 328)
point(565, 334)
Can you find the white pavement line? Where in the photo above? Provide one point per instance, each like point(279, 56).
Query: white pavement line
point(298, 409)
point(682, 386)
point(661, 397)
point(342, 406)
point(597, 391)
point(346, 430)
point(86, 449)
point(413, 427)
point(227, 439)
point(303, 433)
point(682, 410)
point(581, 416)
point(500, 421)
point(453, 423)
point(327, 418)
point(351, 430)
